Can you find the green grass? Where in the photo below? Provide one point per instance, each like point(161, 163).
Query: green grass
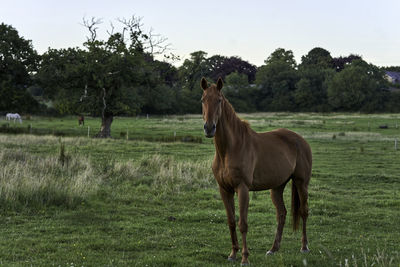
point(156, 203)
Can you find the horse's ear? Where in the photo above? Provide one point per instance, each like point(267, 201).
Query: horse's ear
point(204, 83)
point(220, 84)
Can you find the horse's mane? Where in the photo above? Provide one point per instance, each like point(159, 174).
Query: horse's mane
point(237, 124)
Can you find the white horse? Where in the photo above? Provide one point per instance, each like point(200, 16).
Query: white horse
point(14, 116)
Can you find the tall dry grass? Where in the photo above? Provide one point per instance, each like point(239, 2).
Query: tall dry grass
point(31, 180)
point(66, 179)
point(380, 258)
point(164, 174)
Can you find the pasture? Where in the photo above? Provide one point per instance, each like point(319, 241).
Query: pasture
point(147, 197)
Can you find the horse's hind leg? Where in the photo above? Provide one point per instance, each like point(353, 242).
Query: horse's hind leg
point(302, 189)
point(277, 199)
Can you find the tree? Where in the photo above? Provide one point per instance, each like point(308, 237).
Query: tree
point(116, 71)
point(340, 62)
point(198, 66)
point(392, 68)
point(159, 92)
point(358, 87)
point(317, 57)
point(283, 56)
point(315, 70)
point(18, 60)
point(239, 92)
point(115, 76)
point(220, 66)
point(167, 73)
point(190, 74)
point(193, 69)
point(392, 102)
point(61, 76)
point(311, 89)
point(276, 82)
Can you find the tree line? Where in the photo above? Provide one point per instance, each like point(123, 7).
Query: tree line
point(120, 75)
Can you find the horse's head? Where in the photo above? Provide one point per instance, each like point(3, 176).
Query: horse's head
point(211, 105)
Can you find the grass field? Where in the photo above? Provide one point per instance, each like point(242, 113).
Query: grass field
point(147, 197)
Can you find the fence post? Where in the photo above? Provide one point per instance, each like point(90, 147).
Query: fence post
point(88, 131)
point(127, 134)
point(395, 144)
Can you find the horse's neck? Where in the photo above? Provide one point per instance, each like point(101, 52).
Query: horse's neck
point(226, 135)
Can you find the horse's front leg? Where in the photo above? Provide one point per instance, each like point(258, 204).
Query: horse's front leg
point(227, 198)
point(243, 195)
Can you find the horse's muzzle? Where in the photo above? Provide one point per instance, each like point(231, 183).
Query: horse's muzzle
point(209, 129)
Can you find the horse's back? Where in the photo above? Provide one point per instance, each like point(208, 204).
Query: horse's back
point(295, 141)
point(280, 139)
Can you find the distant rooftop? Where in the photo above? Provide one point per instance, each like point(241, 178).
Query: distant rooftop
point(393, 76)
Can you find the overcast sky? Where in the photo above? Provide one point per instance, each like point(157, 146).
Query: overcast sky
point(250, 29)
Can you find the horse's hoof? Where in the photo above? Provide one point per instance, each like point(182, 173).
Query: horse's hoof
point(270, 252)
point(304, 250)
point(231, 259)
point(245, 264)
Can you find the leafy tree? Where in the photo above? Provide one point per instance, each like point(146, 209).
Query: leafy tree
point(311, 89)
point(198, 66)
point(167, 73)
point(239, 92)
point(114, 71)
point(317, 57)
point(392, 102)
point(358, 87)
point(61, 76)
point(392, 68)
point(340, 63)
point(220, 66)
point(115, 76)
point(283, 56)
point(314, 72)
point(276, 81)
point(18, 60)
point(193, 69)
point(190, 74)
point(159, 91)
point(118, 71)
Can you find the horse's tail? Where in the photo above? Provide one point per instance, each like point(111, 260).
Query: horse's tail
point(295, 207)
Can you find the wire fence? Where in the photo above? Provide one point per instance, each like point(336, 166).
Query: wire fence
point(91, 132)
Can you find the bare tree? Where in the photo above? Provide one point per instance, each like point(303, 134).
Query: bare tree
point(157, 44)
point(92, 26)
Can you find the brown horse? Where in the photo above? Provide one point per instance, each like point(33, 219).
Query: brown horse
point(81, 120)
point(245, 160)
